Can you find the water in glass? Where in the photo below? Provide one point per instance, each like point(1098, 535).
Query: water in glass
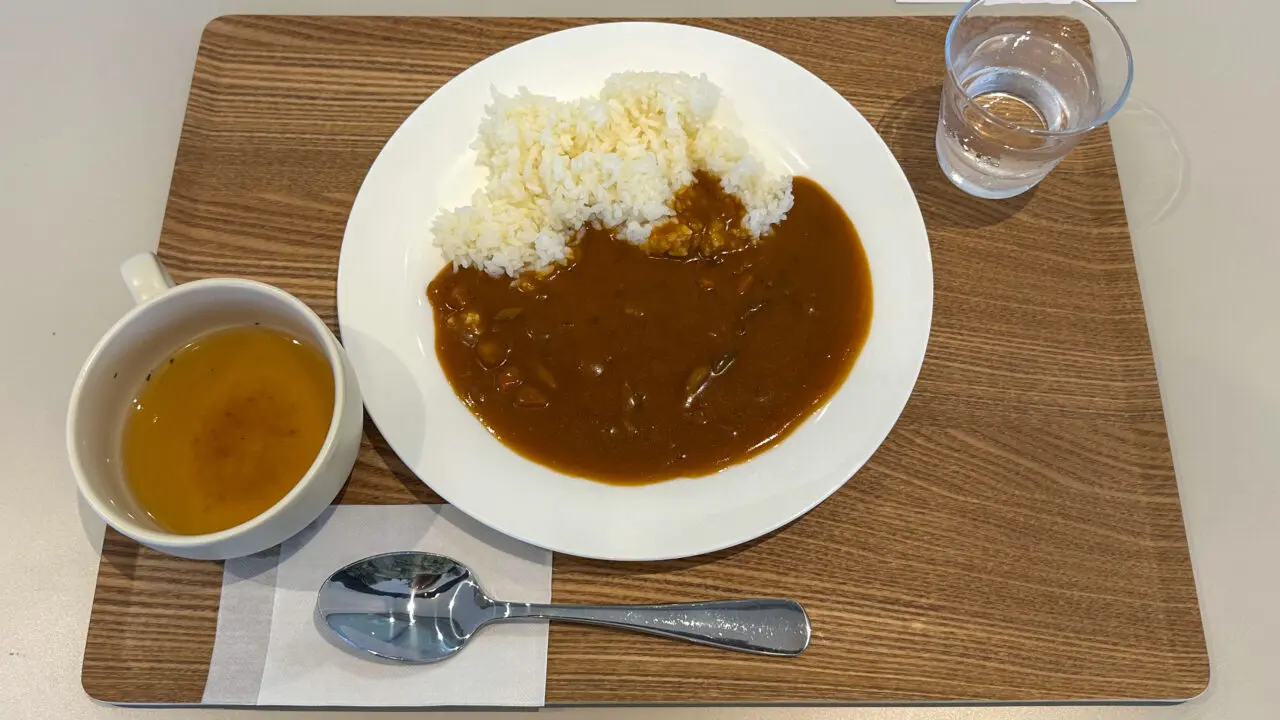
point(1020, 93)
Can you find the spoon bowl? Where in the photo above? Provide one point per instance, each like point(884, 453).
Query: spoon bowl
point(407, 606)
point(418, 607)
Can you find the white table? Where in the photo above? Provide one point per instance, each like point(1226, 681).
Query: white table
point(91, 103)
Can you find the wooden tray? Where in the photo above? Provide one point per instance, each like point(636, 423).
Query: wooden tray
point(1018, 537)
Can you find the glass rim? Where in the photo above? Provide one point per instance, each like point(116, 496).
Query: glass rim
point(1102, 119)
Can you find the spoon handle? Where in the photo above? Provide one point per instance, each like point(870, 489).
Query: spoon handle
point(765, 626)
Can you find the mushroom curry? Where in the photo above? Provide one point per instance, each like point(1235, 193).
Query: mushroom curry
point(639, 363)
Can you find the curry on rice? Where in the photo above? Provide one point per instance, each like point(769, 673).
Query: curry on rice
point(636, 363)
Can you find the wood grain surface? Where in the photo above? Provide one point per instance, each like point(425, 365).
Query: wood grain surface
point(1017, 538)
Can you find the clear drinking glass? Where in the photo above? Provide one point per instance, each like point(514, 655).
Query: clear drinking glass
point(1025, 81)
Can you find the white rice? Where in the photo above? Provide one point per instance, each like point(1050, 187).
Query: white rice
point(615, 161)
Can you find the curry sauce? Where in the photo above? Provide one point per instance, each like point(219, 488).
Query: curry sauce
point(636, 364)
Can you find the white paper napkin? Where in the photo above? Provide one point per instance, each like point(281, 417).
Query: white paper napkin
point(269, 652)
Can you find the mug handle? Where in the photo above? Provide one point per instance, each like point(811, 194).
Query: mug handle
point(146, 277)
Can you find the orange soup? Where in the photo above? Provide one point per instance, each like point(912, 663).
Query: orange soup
point(226, 427)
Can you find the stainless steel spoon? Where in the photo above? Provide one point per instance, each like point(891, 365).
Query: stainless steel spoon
point(422, 608)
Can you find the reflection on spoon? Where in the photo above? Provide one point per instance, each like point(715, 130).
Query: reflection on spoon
point(421, 608)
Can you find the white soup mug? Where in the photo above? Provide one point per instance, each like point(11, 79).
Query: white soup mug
point(165, 319)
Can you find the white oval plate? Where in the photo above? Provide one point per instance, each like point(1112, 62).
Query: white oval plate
point(790, 116)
